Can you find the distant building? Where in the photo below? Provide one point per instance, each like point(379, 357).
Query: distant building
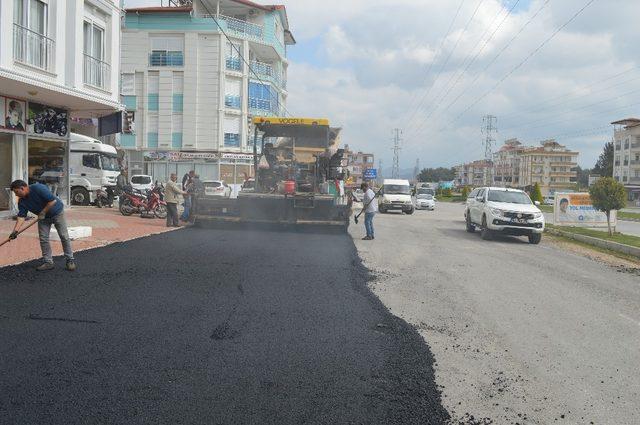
point(626, 155)
point(506, 169)
point(190, 91)
point(359, 162)
point(551, 165)
point(476, 173)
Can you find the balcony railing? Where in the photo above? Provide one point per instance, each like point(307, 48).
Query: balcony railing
point(239, 27)
point(267, 72)
point(32, 48)
point(96, 72)
point(166, 59)
point(234, 64)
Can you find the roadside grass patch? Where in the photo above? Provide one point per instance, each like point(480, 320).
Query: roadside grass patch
point(546, 208)
point(617, 237)
point(628, 216)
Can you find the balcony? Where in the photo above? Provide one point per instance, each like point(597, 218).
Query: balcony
point(96, 73)
point(239, 27)
point(166, 59)
point(32, 48)
point(263, 107)
point(266, 72)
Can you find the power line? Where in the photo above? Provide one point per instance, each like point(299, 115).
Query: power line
point(440, 49)
point(473, 59)
point(251, 70)
point(526, 59)
point(445, 63)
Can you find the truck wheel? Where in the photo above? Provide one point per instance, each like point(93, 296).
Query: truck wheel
point(485, 232)
point(382, 210)
point(535, 238)
point(409, 212)
point(79, 196)
point(470, 227)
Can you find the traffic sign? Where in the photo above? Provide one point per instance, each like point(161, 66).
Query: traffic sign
point(370, 174)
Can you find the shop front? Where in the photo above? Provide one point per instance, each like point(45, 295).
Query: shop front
point(34, 147)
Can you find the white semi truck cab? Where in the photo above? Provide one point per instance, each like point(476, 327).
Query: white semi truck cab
point(92, 166)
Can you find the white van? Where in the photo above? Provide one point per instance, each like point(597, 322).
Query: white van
point(396, 196)
point(92, 166)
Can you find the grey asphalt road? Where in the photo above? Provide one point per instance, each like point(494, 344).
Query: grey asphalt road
point(210, 327)
point(520, 333)
point(627, 227)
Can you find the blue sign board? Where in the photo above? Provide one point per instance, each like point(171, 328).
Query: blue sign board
point(370, 174)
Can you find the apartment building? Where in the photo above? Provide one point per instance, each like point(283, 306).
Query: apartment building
point(506, 169)
point(59, 60)
point(190, 92)
point(551, 165)
point(359, 162)
point(474, 174)
point(626, 154)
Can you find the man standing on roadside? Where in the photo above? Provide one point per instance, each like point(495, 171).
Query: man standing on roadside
point(172, 196)
point(370, 206)
point(39, 200)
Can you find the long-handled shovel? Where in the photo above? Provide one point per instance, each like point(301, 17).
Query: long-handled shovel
point(21, 230)
point(364, 207)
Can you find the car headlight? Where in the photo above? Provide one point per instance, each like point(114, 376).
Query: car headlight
point(496, 212)
point(538, 216)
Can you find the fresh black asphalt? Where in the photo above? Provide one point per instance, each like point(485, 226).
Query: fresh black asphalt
point(210, 327)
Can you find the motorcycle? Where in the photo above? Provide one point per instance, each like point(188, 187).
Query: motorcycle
point(104, 197)
point(151, 203)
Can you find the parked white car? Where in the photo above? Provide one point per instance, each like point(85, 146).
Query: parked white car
point(141, 182)
point(425, 201)
point(508, 211)
point(216, 188)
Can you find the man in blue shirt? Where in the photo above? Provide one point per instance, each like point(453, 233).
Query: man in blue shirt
point(39, 200)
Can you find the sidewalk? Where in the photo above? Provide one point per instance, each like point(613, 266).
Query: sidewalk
point(108, 226)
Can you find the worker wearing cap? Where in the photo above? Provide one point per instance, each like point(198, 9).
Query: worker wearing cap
point(38, 199)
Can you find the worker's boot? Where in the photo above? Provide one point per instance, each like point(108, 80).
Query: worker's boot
point(71, 265)
point(44, 267)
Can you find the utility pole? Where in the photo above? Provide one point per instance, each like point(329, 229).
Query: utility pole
point(416, 171)
point(489, 129)
point(395, 174)
point(380, 177)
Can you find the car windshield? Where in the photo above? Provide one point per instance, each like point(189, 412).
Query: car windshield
point(425, 191)
point(213, 184)
point(110, 163)
point(140, 179)
point(425, 196)
point(396, 189)
point(509, 197)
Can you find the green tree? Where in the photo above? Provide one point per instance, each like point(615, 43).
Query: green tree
point(583, 177)
point(536, 194)
point(465, 192)
point(604, 165)
point(608, 195)
point(437, 174)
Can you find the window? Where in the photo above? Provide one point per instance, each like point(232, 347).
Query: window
point(91, 160)
point(31, 44)
point(96, 70)
point(128, 85)
point(232, 97)
point(232, 132)
point(233, 61)
point(166, 51)
point(263, 97)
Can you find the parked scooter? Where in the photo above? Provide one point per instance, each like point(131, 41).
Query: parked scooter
point(104, 198)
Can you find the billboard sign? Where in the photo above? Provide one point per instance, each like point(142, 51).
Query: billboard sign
point(47, 121)
point(13, 111)
point(370, 174)
point(576, 209)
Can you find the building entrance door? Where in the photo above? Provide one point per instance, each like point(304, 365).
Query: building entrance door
point(6, 168)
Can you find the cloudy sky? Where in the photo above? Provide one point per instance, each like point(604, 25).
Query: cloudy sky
point(559, 69)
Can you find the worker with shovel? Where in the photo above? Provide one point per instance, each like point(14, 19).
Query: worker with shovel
point(369, 208)
point(38, 199)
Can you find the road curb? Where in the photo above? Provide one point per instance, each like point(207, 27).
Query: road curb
point(601, 243)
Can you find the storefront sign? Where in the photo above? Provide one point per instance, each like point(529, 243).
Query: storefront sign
point(238, 156)
point(13, 114)
point(47, 121)
point(576, 209)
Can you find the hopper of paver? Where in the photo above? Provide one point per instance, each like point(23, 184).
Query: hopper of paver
point(299, 172)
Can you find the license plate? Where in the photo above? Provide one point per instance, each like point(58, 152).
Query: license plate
point(519, 220)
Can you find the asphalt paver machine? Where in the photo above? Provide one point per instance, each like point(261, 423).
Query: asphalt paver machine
point(299, 174)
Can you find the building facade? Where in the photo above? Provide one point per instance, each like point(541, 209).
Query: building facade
point(359, 162)
point(59, 60)
point(552, 166)
point(190, 92)
point(626, 155)
point(474, 174)
point(506, 164)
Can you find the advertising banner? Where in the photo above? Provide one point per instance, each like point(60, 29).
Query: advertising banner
point(576, 209)
point(13, 114)
point(47, 121)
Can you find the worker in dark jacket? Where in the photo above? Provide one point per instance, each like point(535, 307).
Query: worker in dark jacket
point(39, 200)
